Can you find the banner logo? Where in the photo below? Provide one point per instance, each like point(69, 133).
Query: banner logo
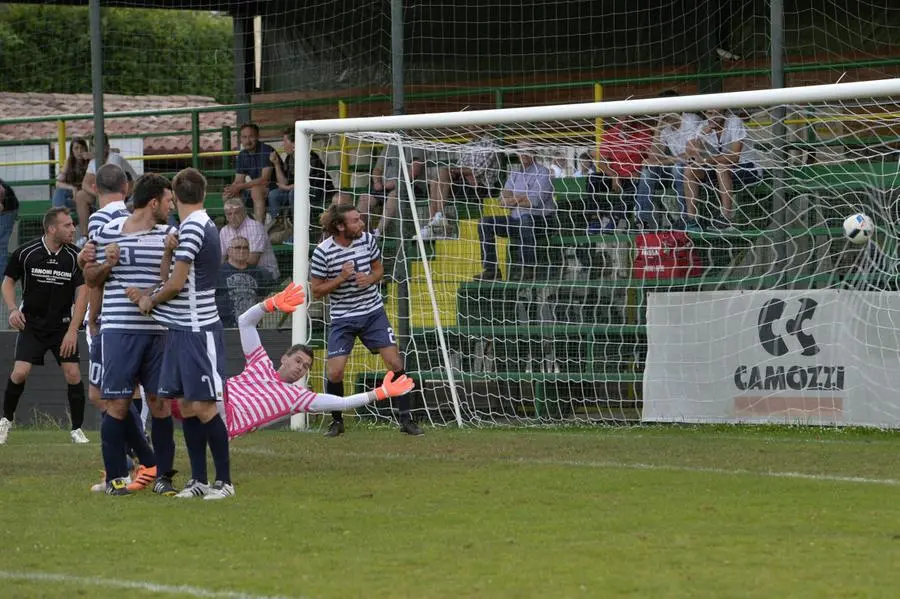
point(771, 312)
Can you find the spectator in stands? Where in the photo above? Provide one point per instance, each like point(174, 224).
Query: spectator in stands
point(528, 193)
point(241, 284)
point(71, 176)
point(86, 196)
point(383, 187)
point(321, 193)
point(238, 225)
point(253, 177)
point(611, 190)
point(721, 149)
point(475, 168)
point(559, 165)
point(9, 211)
point(665, 162)
point(585, 165)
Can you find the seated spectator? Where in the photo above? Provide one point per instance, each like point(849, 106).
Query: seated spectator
point(476, 168)
point(665, 163)
point(383, 187)
point(559, 166)
point(241, 285)
point(321, 192)
point(585, 165)
point(253, 178)
point(721, 148)
point(528, 193)
point(9, 211)
point(70, 177)
point(238, 225)
point(611, 190)
point(85, 198)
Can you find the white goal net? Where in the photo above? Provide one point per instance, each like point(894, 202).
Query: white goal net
point(669, 259)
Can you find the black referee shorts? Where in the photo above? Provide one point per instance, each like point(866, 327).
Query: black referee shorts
point(32, 345)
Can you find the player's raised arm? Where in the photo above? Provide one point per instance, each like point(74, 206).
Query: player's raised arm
point(284, 301)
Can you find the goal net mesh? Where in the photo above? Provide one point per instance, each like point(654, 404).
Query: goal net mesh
point(578, 266)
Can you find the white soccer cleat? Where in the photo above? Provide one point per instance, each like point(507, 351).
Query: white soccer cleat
point(78, 437)
point(220, 490)
point(5, 425)
point(193, 488)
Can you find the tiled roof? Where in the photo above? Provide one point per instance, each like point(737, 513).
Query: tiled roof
point(32, 104)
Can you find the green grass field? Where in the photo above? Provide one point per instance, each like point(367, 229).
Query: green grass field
point(631, 512)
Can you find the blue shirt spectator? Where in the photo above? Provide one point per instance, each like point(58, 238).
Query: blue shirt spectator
point(254, 174)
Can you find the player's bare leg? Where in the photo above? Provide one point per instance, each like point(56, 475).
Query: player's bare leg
point(394, 362)
point(334, 385)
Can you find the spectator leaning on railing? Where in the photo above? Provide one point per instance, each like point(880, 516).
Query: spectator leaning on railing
point(71, 176)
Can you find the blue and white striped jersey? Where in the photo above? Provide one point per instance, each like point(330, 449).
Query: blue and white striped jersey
point(194, 308)
point(104, 215)
point(138, 266)
point(327, 261)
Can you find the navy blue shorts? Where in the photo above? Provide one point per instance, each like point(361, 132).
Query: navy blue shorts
point(95, 360)
point(129, 358)
point(373, 329)
point(193, 365)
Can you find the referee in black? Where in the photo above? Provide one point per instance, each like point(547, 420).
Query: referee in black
point(52, 284)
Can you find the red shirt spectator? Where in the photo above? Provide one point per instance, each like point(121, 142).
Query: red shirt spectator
point(624, 147)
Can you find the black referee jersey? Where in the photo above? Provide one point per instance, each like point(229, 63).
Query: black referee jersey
point(49, 280)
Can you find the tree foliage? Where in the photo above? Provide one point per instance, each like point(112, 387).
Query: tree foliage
point(145, 51)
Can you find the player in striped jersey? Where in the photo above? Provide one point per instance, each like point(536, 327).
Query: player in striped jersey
point(111, 186)
point(347, 267)
point(194, 357)
point(133, 342)
point(262, 395)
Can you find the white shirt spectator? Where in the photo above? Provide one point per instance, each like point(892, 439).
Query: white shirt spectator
point(118, 160)
point(255, 233)
point(676, 140)
point(735, 130)
point(718, 142)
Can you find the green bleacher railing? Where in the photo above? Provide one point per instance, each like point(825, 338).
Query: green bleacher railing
point(499, 94)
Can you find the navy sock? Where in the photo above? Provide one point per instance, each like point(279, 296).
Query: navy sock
point(162, 433)
point(136, 440)
point(217, 436)
point(402, 402)
point(337, 389)
point(195, 439)
point(112, 439)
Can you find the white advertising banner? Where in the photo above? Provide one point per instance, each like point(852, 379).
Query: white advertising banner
point(785, 357)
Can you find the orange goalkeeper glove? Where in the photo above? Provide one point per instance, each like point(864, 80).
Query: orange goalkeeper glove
point(392, 387)
point(287, 300)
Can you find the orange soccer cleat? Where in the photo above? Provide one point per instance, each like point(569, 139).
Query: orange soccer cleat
point(141, 478)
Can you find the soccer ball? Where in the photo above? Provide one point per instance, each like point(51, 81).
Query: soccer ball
point(859, 229)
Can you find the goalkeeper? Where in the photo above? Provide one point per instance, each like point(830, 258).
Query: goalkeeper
point(261, 395)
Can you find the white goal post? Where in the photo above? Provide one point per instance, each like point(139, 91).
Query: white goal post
point(472, 391)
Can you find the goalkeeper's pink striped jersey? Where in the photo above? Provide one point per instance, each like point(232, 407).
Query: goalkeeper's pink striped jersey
point(258, 397)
